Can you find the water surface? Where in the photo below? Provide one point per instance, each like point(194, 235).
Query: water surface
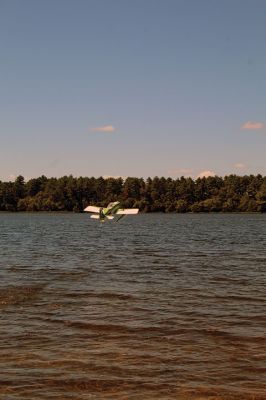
point(153, 307)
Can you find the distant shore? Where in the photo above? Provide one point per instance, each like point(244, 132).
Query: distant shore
point(213, 194)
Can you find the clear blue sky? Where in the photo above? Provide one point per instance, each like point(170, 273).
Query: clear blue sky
point(132, 87)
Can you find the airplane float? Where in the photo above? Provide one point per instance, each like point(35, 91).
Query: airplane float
point(110, 212)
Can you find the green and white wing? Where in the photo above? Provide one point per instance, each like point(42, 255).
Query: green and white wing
point(92, 209)
point(127, 211)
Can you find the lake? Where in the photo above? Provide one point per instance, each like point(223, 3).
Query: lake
point(157, 306)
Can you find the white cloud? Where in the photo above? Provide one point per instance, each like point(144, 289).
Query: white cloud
point(12, 177)
point(252, 125)
point(180, 172)
point(239, 166)
point(205, 174)
point(104, 128)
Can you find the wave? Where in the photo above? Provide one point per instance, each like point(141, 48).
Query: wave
point(19, 294)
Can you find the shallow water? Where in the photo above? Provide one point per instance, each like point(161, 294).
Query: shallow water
point(153, 307)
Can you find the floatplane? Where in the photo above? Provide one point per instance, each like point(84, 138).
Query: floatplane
point(112, 211)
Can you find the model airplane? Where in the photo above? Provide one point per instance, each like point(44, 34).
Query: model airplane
point(110, 212)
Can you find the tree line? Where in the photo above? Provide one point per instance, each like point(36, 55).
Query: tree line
point(231, 193)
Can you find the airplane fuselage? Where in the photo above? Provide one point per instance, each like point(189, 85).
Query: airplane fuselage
point(110, 211)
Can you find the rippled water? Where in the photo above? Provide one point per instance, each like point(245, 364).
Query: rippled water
point(154, 307)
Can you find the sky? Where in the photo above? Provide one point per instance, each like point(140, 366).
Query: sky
point(132, 88)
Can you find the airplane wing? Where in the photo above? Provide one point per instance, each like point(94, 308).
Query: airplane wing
point(127, 211)
point(92, 209)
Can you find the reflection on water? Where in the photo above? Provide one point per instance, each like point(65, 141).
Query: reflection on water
point(155, 307)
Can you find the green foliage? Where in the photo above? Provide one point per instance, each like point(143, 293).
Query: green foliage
point(213, 194)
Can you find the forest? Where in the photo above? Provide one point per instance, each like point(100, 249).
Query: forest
point(231, 193)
